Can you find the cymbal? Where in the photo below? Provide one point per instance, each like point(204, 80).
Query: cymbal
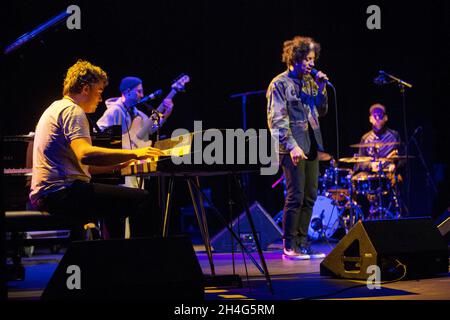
point(374, 144)
point(393, 158)
point(400, 157)
point(356, 159)
point(383, 159)
point(323, 156)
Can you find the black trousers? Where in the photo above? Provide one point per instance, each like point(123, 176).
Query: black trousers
point(84, 201)
point(301, 187)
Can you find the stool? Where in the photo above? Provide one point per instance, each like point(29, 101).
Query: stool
point(18, 222)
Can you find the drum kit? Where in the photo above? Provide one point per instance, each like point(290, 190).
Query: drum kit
point(345, 196)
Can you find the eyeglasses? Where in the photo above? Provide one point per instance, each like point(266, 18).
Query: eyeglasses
point(378, 116)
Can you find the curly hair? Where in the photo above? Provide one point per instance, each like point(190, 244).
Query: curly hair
point(83, 73)
point(296, 49)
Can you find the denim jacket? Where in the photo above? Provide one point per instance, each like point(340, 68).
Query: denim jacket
point(292, 105)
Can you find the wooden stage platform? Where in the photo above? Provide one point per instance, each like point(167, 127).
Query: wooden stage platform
point(292, 280)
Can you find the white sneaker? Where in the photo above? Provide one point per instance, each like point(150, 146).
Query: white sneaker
point(291, 254)
point(313, 254)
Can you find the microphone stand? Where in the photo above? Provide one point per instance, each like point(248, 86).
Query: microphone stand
point(161, 181)
point(403, 85)
point(430, 180)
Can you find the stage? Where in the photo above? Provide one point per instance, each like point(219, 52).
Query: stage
point(292, 280)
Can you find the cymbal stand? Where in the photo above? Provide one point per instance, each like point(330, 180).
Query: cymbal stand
point(381, 210)
point(335, 202)
point(395, 198)
point(336, 172)
point(399, 204)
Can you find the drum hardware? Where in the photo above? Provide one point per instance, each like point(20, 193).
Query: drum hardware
point(377, 210)
point(379, 188)
point(334, 208)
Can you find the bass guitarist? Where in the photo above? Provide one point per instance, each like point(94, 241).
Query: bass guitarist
point(137, 127)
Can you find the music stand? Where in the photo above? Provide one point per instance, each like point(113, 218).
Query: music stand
point(244, 96)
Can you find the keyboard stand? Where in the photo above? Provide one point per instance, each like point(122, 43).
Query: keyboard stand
point(197, 197)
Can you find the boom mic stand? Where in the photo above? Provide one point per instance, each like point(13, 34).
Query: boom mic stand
point(386, 78)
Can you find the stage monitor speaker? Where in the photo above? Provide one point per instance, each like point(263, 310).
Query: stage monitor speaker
point(415, 243)
point(266, 229)
point(128, 269)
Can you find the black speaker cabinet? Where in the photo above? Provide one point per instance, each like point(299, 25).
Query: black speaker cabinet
point(266, 230)
point(414, 242)
point(129, 269)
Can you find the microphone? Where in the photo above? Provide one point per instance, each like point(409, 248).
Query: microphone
point(151, 96)
point(314, 74)
point(417, 130)
point(381, 79)
point(413, 136)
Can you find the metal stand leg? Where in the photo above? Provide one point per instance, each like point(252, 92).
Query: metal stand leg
point(202, 222)
point(255, 235)
point(161, 192)
point(222, 220)
point(167, 208)
point(205, 222)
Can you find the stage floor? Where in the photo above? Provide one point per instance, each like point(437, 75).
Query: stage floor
point(291, 280)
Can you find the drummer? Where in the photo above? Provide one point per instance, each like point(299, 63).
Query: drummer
point(379, 133)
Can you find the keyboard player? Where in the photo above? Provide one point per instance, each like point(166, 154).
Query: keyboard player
point(64, 159)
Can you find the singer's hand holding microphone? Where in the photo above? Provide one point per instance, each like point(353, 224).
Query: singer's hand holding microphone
point(321, 79)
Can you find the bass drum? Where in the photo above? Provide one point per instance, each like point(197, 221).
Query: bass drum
point(325, 219)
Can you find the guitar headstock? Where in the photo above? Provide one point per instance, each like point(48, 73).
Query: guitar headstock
point(179, 82)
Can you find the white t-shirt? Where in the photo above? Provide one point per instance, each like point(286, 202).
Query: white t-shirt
point(55, 165)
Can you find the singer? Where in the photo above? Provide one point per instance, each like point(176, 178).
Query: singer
point(295, 100)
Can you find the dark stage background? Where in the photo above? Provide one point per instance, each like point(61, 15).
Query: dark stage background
point(235, 46)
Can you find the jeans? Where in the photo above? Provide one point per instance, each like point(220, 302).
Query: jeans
point(301, 185)
point(83, 201)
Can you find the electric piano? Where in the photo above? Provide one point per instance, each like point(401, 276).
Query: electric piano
point(184, 156)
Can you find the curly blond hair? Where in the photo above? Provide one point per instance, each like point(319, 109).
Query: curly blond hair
point(296, 49)
point(83, 73)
